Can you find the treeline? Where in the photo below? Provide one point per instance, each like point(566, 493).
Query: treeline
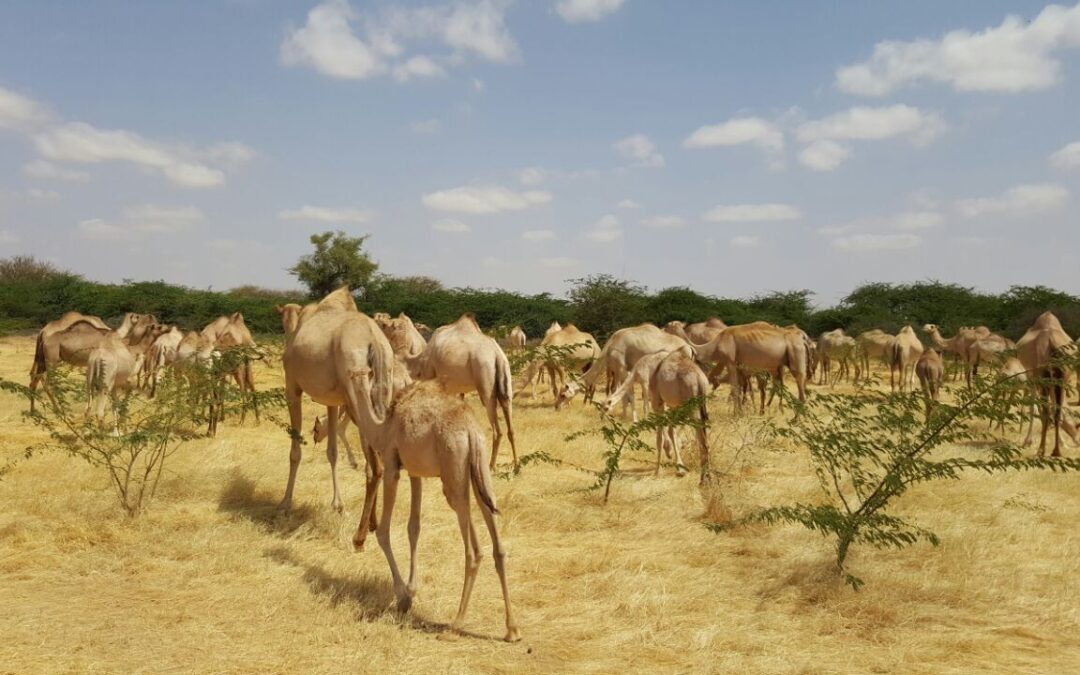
point(600, 304)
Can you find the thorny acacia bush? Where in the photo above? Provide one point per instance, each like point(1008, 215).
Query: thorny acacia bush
point(868, 448)
point(133, 444)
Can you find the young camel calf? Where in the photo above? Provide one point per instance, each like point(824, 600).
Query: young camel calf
point(432, 434)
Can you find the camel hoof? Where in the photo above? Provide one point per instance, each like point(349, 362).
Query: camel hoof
point(404, 603)
point(449, 635)
point(284, 505)
point(680, 472)
point(337, 507)
point(513, 635)
point(358, 542)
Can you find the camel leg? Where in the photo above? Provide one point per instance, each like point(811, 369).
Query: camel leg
point(499, 553)
point(680, 468)
point(460, 504)
point(382, 533)
point(416, 486)
point(507, 406)
point(703, 454)
point(368, 520)
point(1044, 418)
point(1058, 394)
point(331, 453)
point(491, 406)
point(660, 440)
point(294, 401)
point(343, 426)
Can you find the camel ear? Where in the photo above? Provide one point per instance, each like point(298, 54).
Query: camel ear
point(279, 309)
point(237, 316)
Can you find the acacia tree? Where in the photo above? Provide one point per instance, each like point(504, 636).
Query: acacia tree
point(338, 260)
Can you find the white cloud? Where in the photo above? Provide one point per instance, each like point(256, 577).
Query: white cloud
point(418, 67)
point(325, 214)
point(139, 221)
point(824, 155)
point(339, 42)
point(39, 168)
point(664, 222)
point(1016, 56)
point(743, 130)
point(1067, 157)
point(557, 263)
point(876, 242)
point(628, 204)
point(533, 175)
point(863, 123)
point(745, 241)
point(44, 195)
point(1021, 200)
point(451, 226)
point(477, 84)
point(21, 113)
point(9, 237)
point(640, 149)
point(483, 199)
point(752, 213)
point(605, 230)
point(917, 220)
point(425, 127)
point(579, 11)
point(538, 235)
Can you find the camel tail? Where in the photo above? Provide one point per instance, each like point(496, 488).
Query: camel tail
point(381, 362)
point(895, 355)
point(479, 473)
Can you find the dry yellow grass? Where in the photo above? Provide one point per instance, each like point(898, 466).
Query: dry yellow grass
point(213, 579)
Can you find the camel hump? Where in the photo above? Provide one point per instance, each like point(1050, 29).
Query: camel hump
point(341, 298)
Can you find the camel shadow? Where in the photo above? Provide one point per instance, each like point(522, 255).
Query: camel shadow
point(240, 498)
point(370, 597)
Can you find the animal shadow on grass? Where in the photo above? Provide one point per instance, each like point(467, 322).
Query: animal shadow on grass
point(240, 498)
point(370, 596)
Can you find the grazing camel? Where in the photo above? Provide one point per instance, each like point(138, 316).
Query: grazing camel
point(670, 379)
point(874, 343)
point(405, 339)
point(836, 346)
point(752, 348)
point(228, 332)
point(618, 357)
point(581, 350)
point(109, 370)
point(906, 351)
point(432, 434)
point(516, 339)
point(324, 342)
point(930, 370)
point(1012, 369)
point(463, 359)
point(1037, 351)
point(73, 343)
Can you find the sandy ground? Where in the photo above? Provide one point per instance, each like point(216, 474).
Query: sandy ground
point(212, 578)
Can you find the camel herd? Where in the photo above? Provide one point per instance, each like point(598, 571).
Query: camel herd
point(405, 390)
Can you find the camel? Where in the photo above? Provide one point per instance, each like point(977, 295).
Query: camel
point(555, 327)
point(431, 433)
point(109, 368)
point(618, 357)
point(1012, 369)
point(516, 339)
point(324, 343)
point(581, 350)
point(906, 351)
point(756, 347)
point(226, 332)
point(835, 345)
point(73, 343)
point(670, 379)
point(987, 349)
point(698, 333)
point(874, 343)
point(1037, 351)
point(958, 345)
point(162, 353)
point(405, 339)
point(463, 359)
point(930, 369)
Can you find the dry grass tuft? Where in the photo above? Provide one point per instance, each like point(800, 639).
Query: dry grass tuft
point(213, 579)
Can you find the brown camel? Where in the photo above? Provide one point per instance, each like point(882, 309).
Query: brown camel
point(325, 342)
point(958, 345)
point(431, 433)
point(835, 346)
point(1038, 351)
point(581, 349)
point(405, 339)
point(930, 369)
point(463, 359)
point(874, 343)
point(906, 351)
point(756, 347)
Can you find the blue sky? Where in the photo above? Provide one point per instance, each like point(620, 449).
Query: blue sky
point(736, 147)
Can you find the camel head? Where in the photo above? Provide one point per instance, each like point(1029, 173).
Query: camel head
point(568, 391)
point(290, 317)
point(320, 430)
point(931, 328)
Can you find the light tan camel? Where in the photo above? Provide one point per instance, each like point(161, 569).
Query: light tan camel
point(73, 343)
point(669, 380)
point(752, 348)
point(696, 333)
point(432, 434)
point(555, 327)
point(618, 357)
point(109, 370)
point(1012, 369)
point(930, 369)
point(581, 349)
point(874, 343)
point(1038, 351)
point(464, 360)
point(987, 349)
point(324, 343)
point(162, 353)
point(958, 345)
point(405, 339)
point(906, 351)
point(516, 339)
point(228, 332)
point(835, 346)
